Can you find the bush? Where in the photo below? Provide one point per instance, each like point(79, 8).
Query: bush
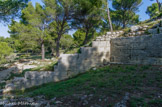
point(5, 51)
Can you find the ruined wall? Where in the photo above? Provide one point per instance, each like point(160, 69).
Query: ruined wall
point(137, 50)
point(105, 49)
point(68, 65)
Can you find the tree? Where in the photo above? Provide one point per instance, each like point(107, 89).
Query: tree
point(159, 5)
point(62, 20)
point(13, 43)
point(79, 37)
point(127, 9)
point(5, 51)
point(66, 41)
point(11, 9)
point(34, 25)
point(88, 17)
point(152, 10)
point(109, 18)
point(106, 8)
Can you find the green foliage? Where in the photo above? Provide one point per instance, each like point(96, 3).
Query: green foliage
point(79, 37)
point(106, 82)
point(49, 67)
point(2, 85)
point(66, 41)
point(88, 17)
point(24, 36)
point(33, 32)
point(5, 51)
point(73, 50)
point(153, 10)
point(158, 31)
point(126, 11)
point(11, 9)
point(114, 77)
point(62, 19)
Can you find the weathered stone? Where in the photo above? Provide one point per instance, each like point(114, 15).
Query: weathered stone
point(137, 50)
point(121, 32)
point(138, 33)
point(144, 28)
point(135, 28)
point(108, 33)
point(126, 50)
point(152, 31)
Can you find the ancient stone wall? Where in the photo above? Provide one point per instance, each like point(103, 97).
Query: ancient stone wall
point(108, 48)
point(137, 50)
point(68, 65)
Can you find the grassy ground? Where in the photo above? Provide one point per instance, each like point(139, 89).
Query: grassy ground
point(108, 85)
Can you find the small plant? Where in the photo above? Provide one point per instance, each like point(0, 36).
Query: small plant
point(160, 24)
point(147, 32)
point(158, 31)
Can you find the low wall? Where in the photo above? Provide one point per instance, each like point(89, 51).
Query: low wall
point(105, 49)
point(137, 50)
point(68, 65)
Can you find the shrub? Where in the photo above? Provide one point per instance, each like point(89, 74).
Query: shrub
point(5, 51)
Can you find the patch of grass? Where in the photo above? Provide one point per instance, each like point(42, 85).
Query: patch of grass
point(49, 67)
point(116, 78)
point(137, 102)
point(2, 68)
point(158, 31)
point(15, 75)
point(155, 102)
point(141, 101)
point(112, 81)
point(2, 85)
point(145, 67)
point(146, 32)
point(72, 50)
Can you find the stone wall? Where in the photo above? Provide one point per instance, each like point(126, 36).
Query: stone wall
point(137, 50)
point(68, 65)
point(108, 48)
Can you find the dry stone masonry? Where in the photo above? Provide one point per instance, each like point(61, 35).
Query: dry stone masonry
point(68, 65)
point(137, 50)
point(109, 48)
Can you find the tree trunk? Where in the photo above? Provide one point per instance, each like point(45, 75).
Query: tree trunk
point(86, 37)
point(58, 46)
point(43, 50)
point(52, 53)
point(124, 24)
point(109, 18)
point(124, 21)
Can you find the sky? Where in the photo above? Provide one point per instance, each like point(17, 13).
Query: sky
point(143, 16)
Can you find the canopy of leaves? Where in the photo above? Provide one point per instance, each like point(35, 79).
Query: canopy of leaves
point(153, 10)
point(126, 10)
point(79, 37)
point(11, 9)
point(5, 51)
point(88, 17)
point(66, 41)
